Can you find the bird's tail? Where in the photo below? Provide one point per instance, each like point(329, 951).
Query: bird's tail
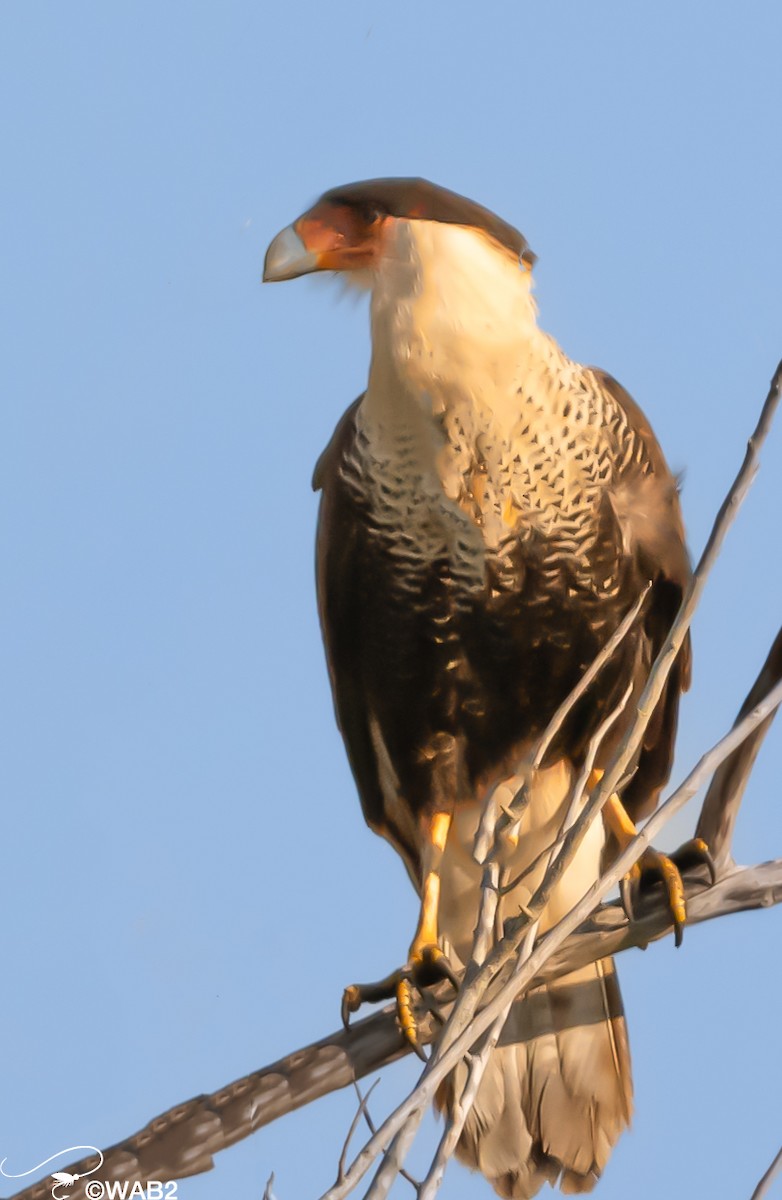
point(557, 1091)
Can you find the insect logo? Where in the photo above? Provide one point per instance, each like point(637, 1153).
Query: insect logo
point(62, 1178)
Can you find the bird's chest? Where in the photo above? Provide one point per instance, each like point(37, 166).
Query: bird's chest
point(400, 476)
point(535, 470)
point(504, 499)
point(486, 572)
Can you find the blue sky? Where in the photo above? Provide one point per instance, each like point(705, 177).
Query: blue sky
point(187, 883)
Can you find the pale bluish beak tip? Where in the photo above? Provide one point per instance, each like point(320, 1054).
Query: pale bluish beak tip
point(287, 257)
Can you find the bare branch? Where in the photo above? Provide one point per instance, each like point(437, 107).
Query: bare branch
point(478, 980)
point(414, 1183)
point(183, 1140)
point(478, 1064)
point(361, 1111)
point(461, 1109)
point(675, 639)
point(591, 673)
point(490, 827)
point(768, 1178)
point(721, 805)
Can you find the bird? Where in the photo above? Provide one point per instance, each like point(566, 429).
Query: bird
point(490, 512)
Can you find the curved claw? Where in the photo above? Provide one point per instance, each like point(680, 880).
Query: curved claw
point(428, 965)
point(357, 994)
point(406, 1016)
point(627, 887)
point(668, 869)
point(695, 853)
point(431, 965)
point(447, 971)
point(351, 1002)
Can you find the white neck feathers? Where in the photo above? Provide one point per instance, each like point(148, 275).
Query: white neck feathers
point(453, 321)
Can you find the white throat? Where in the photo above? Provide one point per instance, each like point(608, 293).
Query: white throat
point(453, 318)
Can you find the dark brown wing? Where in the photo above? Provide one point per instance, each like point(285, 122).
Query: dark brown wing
point(646, 504)
point(345, 575)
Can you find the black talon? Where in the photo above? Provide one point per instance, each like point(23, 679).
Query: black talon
point(419, 1051)
point(626, 895)
point(669, 870)
point(351, 1002)
point(695, 853)
point(433, 967)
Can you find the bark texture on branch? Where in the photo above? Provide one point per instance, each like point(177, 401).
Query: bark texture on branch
point(184, 1140)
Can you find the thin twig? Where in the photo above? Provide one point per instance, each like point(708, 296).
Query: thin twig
point(476, 1071)
point(414, 1183)
point(476, 981)
point(768, 1178)
point(471, 995)
point(487, 917)
point(461, 1108)
point(578, 792)
point(493, 824)
point(661, 668)
point(489, 832)
point(361, 1111)
point(723, 798)
point(593, 670)
point(394, 1156)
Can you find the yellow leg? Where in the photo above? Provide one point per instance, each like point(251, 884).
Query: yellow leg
point(426, 962)
point(428, 922)
point(652, 862)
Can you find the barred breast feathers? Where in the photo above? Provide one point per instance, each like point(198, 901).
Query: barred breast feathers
point(476, 429)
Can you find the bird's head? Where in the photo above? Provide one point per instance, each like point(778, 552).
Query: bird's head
point(352, 228)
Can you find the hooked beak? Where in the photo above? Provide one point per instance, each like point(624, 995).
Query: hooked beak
point(288, 257)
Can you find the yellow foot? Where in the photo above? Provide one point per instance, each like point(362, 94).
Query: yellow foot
point(427, 966)
point(654, 867)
